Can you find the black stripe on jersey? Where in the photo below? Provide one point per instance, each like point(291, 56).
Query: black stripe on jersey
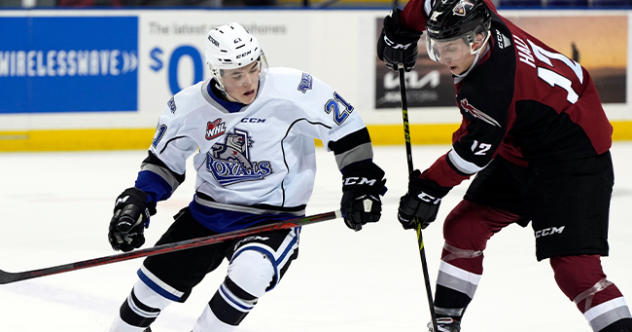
point(152, 159)
point(350, 141)
point(169, 141)
point(258, 206)
point(283, 149)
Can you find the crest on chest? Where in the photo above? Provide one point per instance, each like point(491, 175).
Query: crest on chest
point(230, 162)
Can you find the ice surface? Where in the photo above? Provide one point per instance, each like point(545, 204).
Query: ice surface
point(56, 209)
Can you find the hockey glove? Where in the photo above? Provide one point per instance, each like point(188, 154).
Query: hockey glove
point(362, 184)
point(131, 217)
point(396, 45)
point(420, 202)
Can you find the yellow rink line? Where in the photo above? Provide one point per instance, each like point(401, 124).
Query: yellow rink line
point(140, 138)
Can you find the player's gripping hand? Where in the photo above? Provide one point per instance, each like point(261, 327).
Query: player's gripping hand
point(362, 184)
point(421, 201)
point(131, 217)
point(396, 45)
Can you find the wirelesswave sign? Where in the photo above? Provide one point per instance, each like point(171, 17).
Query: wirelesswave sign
point(68, 64)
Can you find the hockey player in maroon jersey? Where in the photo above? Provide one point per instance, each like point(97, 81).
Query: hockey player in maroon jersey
point(535, 133)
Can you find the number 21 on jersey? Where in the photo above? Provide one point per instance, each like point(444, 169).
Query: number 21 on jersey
point(340, 113)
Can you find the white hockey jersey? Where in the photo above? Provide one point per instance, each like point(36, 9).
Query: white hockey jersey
point(256, 159)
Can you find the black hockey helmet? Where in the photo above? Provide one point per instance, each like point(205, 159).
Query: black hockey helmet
point(450, 19)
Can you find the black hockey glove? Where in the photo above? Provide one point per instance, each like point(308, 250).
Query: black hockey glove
point(131, 217)
point(362, 184)
point(396, 45)
point(421, 201)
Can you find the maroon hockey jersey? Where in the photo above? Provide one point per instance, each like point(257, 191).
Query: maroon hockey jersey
point(523, 101)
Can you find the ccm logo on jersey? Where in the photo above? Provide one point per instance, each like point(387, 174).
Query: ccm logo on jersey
point(215, 129)
point(549, 231)
point(467, 107)
point(252, 120)
point(359, 181)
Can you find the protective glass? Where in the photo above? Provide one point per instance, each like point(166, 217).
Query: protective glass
point(451, 50)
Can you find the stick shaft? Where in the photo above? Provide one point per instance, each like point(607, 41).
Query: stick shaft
point(409, 157)
point(8, 277)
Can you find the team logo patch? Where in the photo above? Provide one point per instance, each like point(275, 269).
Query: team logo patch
point(306, 83)
point(462, 8)
point(215, 128)
point(467, 107)
point(231, 163)
point(172, 105)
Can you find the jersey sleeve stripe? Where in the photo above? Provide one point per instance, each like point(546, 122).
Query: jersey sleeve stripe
point(163, 173)
point(462, 165)
point(359, 153)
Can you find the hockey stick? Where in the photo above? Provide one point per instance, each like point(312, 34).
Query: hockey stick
point(409, 156)
point(8, 277)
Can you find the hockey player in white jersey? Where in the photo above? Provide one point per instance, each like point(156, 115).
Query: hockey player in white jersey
point(255, 129)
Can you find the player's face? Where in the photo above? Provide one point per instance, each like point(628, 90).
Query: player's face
point(241, 84)
point(454, 54)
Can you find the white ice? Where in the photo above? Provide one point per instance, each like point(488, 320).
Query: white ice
point(56, 209)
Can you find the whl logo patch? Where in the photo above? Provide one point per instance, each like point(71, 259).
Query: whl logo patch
point(467, 107)
point(215, 128)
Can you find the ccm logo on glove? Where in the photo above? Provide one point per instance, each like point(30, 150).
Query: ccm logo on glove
point(429, 198)
point(395, 45)
point(358, 181)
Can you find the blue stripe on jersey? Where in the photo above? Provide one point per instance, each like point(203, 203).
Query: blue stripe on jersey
point(151, 284)
point(156, 187)
point(230, 106)
point(223, 221)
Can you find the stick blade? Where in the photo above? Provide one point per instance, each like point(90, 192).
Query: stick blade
point(8, 277)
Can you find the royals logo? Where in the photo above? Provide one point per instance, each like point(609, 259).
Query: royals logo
point(230, 162)
point(306, 83)
point(172, 105)
point(478, 114)
point(215, 129)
